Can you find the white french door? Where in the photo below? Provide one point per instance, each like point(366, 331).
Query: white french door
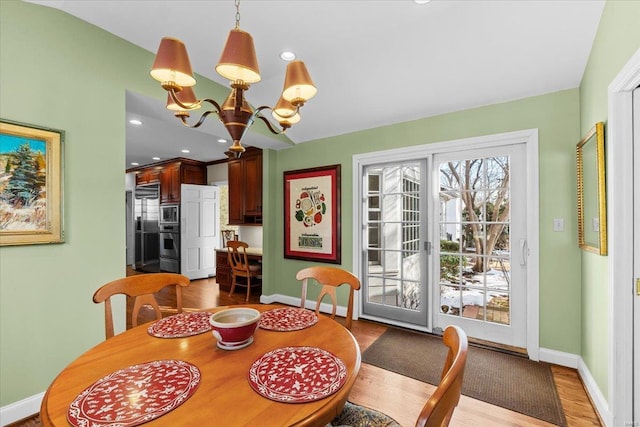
point(445, 233)
point(480, 284)
point(395, 285)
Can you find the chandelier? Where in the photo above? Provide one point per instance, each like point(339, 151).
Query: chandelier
point(239, 64)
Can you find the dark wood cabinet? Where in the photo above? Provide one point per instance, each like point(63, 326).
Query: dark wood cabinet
point(253, 183)
point(223, 270)
point(171, 174)
point(245, 188)
point(236, 192)
point(148, 176)
point(170, 184)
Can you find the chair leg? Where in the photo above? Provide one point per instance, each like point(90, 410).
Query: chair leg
point(233, 284)
point(248, 287)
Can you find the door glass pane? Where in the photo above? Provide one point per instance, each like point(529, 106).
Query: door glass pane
point(474, 239)
point(394, 277)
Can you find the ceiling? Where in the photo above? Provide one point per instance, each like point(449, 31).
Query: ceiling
point(374, 62)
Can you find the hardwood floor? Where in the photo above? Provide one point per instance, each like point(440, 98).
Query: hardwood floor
point(400, 397)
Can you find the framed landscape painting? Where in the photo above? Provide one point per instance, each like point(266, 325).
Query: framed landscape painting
point(30, 184)
point(312, 214)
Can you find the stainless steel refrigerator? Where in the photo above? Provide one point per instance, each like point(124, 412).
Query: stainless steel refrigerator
point(146, 214)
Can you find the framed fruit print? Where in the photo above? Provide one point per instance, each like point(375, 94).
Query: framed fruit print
point(312, 214)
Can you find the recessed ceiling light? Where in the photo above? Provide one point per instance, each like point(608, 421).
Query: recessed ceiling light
point(156, 158)
point(135, 122)
point(287, 55)
point(185, 151)
point(135, 164)
point(421, 1)
point(222, 141)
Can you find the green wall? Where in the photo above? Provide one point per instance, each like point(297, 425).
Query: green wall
point(556, 115)
point(618, 38)
point(63, 73)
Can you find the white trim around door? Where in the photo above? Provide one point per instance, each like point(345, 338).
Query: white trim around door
point(530, 138)
point(619, 141)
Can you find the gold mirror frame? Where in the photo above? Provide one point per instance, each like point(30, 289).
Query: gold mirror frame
point(592, 197)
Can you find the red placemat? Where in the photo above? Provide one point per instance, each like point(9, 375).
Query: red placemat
point(287, 319)
point(181, 325)
point(297, 374)
point(135, 395)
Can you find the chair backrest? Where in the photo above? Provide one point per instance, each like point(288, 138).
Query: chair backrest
point(141, 287)
point(439, 408)
point(228, 235)
point(330, 278)
point(237, 254)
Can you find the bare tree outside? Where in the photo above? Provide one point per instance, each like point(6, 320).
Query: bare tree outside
point(483, 187)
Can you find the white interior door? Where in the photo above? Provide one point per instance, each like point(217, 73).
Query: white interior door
point(480, 263)
point(199, 230)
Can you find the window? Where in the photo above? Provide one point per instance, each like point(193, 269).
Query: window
point(410, 215)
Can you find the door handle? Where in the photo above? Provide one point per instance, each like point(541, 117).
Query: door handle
point(523, 252)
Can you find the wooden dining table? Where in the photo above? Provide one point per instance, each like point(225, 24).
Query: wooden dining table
point(224, 395)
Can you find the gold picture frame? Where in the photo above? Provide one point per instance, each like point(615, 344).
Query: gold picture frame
point(592, 196)
point(31, 204)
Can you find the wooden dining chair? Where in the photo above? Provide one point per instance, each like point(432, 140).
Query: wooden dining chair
point(240, 266)
point(330, 278)
point(438, 410)
point(228, 235)
point(141, 287)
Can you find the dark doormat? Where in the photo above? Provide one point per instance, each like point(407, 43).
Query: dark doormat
point(505, 380)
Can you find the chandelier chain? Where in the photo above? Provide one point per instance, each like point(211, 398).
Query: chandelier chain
point(237, 2)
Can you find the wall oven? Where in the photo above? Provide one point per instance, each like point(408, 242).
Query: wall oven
point(170, 248)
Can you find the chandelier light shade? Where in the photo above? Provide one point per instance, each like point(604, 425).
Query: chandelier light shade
point(172, 63)
point(298, 86)
point(285, 113)
point(238, 64)
point(238, 60)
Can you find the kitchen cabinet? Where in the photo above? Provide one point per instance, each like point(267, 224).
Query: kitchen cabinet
point(253, 184)
point(170, 183)
point(235, 191)
point(148, 176)
point(223, 270)
point(171, 174)
point(175, 174)
point(245, 188)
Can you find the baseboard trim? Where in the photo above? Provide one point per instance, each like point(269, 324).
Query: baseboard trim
point(559, 358)
point(294, 301)
point(593, 391)
point(21, 409)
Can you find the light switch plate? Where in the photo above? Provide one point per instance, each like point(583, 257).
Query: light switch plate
point(558, 224)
